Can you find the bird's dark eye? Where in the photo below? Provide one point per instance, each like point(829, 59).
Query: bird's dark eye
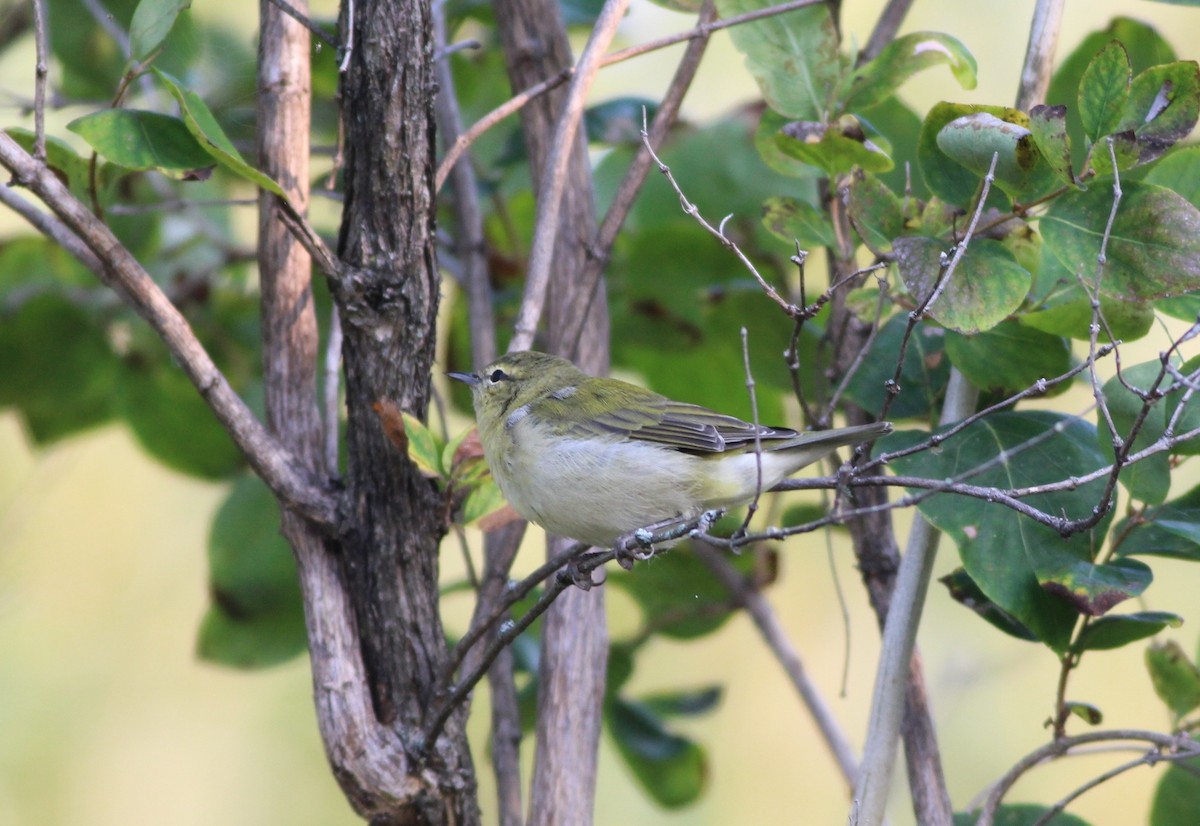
point(498, 375)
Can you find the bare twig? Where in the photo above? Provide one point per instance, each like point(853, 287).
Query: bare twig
point(752, 508)
point(890, 20)
point(305, 21)
point(1177, 746)
point(549, 197)
point(52, 228)
point(332, 416)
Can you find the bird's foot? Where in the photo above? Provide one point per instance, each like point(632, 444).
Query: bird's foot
point(640, 544)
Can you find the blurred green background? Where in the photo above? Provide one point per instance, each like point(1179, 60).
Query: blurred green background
point(106, 716)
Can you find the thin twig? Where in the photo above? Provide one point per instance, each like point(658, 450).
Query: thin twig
point(332, 392)
point(52, 228)
point(554, 179)
point(752, 508)
point(1169, 744)
point(890, 20)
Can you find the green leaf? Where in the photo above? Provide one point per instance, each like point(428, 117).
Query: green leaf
point(1170, 530)
point(793, 221)
point(1006, 554)
point(486, 498)
point(902, 58)
point(1176, 679)
point(144, 140)
point(835, 148)
point(1150, 479)
point(1022, 814)
point(211, 137)
point(769, 124)
point(1128, 320)
point(1115, 631)
point(256, 618)
point(55, 367)
point(874, 211)
point(1163, 106)
point(947, 178)
point(1087, 712)
point(1154, 247)
point(1177, 796)
point(152, 22)
point(901, 126)
point(1145, 48)
point(172, 422)
point(964, 590)
point(1104, 91)
point(670, 768)
point(1048, 125)
point(1179, 171)
point(987, 286)
point(684, 703)
point(973, 139)
point(793, 56)
point(618, 120)
point(923, 376)
point(679, 597)
point(66, 163)
point(1009, 357)
point(1092, 589)
point(424, 448)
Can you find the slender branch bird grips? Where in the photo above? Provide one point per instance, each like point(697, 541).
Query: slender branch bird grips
point(595, 459)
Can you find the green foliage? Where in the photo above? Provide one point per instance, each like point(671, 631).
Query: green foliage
point(256, 618)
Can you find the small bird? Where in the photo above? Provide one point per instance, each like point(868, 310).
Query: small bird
point(594, 459)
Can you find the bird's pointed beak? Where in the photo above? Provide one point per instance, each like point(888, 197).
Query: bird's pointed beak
point(469, 379)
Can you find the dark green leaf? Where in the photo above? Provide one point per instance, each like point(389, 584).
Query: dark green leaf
point(972, 140)
point(1117, 630)
point(1048, 125)
point(797, 222)
point(1092, 589)
point(618, 120)
point(1179, 171)
point(964, 590)
point(1170, 530)
point(1176, 679)
point(1145, 48)
point(580, 12)
point(1009, 357)
point(1177, 797)
point(144, 140)
point(1071, 315)
point(793, 56)
point(173, 423)
point(56, 367)
point(670, 768)
point(769, 124)
point(1005, 553)
point(256, 618)
point(684, 703)
point(1104, 91)
point(679, 597)
point(1163, 106)
point(209, 134)
point(947, 178)
point(901, 126)
point(923, 376)
point(152, 22)
point(1021, 814)
point(902, 58)
point(987, 286)
point(1154, 247)
point(874, 211)
point(1150, 479)
point(835, 148)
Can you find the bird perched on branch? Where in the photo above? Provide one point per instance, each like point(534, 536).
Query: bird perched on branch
point(594, 459)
